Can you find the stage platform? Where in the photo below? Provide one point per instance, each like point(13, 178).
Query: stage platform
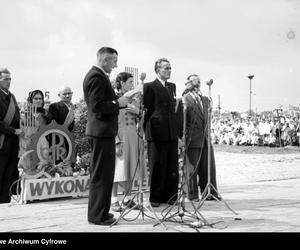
point(268, 206)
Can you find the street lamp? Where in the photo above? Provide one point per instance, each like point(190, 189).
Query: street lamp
point(253, 103)
point(250, 76)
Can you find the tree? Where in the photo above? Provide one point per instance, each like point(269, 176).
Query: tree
point(81, 142)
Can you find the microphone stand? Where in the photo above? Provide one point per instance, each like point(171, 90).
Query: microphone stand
point(184, 178)
point(207, 191)
point(139, 195)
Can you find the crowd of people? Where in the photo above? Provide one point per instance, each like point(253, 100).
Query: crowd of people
point(259, 131)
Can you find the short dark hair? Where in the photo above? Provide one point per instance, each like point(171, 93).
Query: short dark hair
point(158, 63)
point(122, 77)
point(4, 71)
point(106, 50)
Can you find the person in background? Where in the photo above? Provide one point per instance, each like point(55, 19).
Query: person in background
point(35, 115)
point(9, 141)
point(63, 111)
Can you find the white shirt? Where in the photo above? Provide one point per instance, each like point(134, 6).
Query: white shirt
point(102, 70)
point(162, 81)
point(197, 98)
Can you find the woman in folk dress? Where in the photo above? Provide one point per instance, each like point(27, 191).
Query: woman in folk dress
point(34, 116)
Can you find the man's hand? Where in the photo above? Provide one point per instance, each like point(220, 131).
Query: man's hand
point(19, 131)
point(180, 143)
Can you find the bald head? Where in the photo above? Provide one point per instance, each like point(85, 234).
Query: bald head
point(65, 94)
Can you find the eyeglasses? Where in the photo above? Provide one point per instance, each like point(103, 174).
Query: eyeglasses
point(68, 93)
point(167, 68)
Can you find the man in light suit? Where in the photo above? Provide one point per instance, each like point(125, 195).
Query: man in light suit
point(196, 134)
point(159, 99)
point(102, 127)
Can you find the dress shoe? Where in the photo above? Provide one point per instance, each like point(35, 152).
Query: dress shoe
point(155, 204)
point(194, 198)
point(106, 222)
point(131, 204)
point(116, 207)
point(110, 215)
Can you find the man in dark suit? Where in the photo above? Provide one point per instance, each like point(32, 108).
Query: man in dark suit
point(9, 141)
point(196, 134)
point(63, 111)
point(102, 127)
point(159, 99)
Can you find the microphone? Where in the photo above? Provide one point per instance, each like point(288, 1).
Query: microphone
point(142, 77)
point(184, 102)
point(181, 209)
point(209, 82)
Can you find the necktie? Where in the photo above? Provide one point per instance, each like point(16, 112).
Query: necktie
point(198, 101)
point(166, 87)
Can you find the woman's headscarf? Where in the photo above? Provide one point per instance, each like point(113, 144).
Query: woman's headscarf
point(32, 94)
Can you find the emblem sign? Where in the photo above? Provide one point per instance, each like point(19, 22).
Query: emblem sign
point(52, 142)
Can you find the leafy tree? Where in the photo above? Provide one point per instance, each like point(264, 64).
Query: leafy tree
point(81, 142)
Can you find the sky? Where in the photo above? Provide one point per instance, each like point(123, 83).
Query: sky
point(47, 44)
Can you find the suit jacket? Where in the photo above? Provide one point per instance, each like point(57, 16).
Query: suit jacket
point(15, 124)
point(102, 111)
point(58, 112)
point(196, 120)
point(159, 103)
